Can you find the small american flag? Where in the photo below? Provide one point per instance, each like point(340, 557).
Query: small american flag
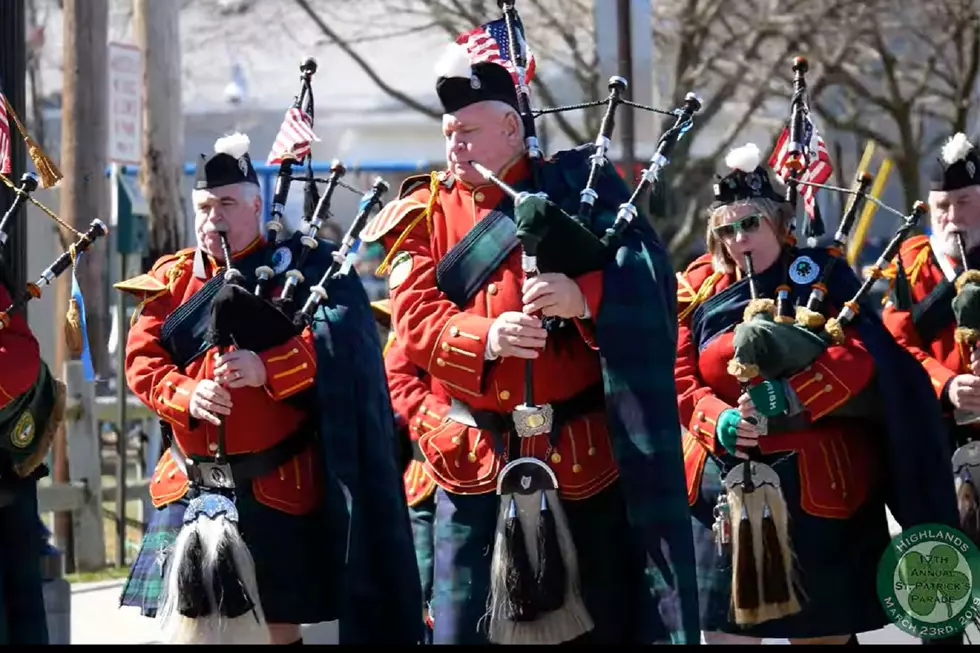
point(5, 161)
point(294, 137)
point(818, 170)
point(490, 42)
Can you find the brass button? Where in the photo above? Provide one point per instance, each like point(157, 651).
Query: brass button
point(700, 416)
point(440, 362)
point(492, 289)
point(818, 376)
point(471, 457)
point(418, 420)
point(478, 196)
point(455, 439)
point(576, 468)
point(592, 451)
point(504, 395)
point(556, 457)
point(445, 346)
point(453, 331)
point(213, 446)
point(411, 490)
point(828, 388)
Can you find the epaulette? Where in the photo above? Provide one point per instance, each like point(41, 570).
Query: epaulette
point(396, 211)
point(913, 256)
point(695, 284)
point(412, 184)
point(147, 287)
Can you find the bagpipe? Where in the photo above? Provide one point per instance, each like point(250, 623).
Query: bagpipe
point(774, 341)
point(535, 596)
point(213, 598)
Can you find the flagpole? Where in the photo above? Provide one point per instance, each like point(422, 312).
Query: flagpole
point(13, 73)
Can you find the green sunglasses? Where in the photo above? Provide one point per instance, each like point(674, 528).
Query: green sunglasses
point(747, 225)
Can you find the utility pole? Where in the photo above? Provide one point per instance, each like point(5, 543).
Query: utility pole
point(627, 126)
point(85, 116)
point(156, 26)
point(13, 71)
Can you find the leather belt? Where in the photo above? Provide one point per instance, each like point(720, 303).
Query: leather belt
point(590, 400)
point(243, 466)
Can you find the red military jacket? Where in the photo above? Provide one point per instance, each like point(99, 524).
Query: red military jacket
point(450, 343)
point(259, 417)
point(835, 458)
point(943, 357)
point(20, 356)
point(417, 406)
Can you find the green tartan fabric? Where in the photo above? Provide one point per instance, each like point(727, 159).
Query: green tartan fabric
point(421, 515)
point(636, 330)
point(145, 583)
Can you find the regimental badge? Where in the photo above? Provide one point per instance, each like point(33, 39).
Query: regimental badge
point(281, 259)
point(475, 83)
point(243, 165)
point(400, 268)
point(971, 169)
point(23, 433)
point(753, 181)
point(804, 270)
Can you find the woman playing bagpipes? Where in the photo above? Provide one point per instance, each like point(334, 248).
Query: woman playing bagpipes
point(788, 544)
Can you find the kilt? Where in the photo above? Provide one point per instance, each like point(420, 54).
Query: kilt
point(23, 619)
point(421, 517)
point(612, 572)
point(837, 563)
point(298, 560)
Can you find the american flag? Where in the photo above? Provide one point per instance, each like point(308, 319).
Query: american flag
point(5, 161)
point(489, 42)
point(819, 167)
point(294, 137)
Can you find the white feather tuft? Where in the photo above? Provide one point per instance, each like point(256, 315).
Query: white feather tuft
point(235, 145)
point(956, 148)
point(745, 158)
point(454, 62)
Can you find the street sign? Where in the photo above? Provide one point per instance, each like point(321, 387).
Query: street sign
point(125, 103)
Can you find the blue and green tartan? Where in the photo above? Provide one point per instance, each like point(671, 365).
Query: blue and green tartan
point(144, 585)
point(636, 331)
point(421, 516)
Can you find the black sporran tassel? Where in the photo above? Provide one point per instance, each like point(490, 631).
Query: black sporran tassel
point(747, 592)
point(966, 501)
point(552, 578)
point(519, 604)
point(774, 586)
point(229, 590)
point(192, 602)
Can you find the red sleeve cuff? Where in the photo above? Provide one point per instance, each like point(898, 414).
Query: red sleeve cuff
point(819, 389)
point(290, 367)
point(591, 286)
point(704, 421)
point(458, 358)
point(430, 415)
point(172, 399)
point(938, 374)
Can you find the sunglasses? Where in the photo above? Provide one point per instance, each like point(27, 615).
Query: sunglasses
point(747, 225)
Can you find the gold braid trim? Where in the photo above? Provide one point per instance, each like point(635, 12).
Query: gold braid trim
point(970, 276)
point(966, 335)
point(434, 182)
point(702, 294)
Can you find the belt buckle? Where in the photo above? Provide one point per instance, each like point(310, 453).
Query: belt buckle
point(215, 475)
point(533, 420)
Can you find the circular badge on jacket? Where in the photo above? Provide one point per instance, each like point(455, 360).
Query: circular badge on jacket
point(803, 270)
point(23, 433)
point(401, 267)
point(281, 259)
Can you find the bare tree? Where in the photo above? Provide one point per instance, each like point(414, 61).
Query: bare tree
point(910, 82)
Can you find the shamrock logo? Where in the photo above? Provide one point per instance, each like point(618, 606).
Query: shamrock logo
point(803, 268)
point(933, 579)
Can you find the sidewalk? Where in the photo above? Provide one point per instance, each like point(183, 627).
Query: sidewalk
point(96, 618)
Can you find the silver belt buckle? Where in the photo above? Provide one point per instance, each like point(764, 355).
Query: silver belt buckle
point(533, 420)
point(216, 476)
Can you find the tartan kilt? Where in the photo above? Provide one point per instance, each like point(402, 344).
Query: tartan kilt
point(612, 573)
point(837, 562)
point(298, 560)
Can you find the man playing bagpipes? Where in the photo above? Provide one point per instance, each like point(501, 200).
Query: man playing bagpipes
point(32, 406)
point(840, 419)
point(268, 515)
point(933, 309)
point(533, 540)
point(417, 410)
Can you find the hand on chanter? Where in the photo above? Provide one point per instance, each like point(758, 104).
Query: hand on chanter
point(975, 361)
point(515, 334)
point(964, 392)
point(208, 401)
point(240, 368)
point(554, 295)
